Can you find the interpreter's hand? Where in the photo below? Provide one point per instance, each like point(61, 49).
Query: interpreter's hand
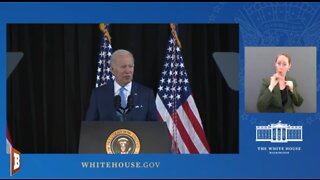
point(274, 79)
point(290, 85)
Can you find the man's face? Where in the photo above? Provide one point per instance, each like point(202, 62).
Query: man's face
point(122, 68)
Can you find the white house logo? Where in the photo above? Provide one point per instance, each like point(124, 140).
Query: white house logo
point(279, 133)
point(123, 141)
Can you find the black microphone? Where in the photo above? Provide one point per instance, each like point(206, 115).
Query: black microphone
point(117, 103)
point(129, 104)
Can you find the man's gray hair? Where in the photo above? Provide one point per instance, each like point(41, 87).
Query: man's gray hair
point(120, 52)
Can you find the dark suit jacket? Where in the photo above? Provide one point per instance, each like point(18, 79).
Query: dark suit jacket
point(272, 102)
point(102, 108)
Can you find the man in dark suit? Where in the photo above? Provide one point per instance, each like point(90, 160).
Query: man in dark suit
point(102, 103)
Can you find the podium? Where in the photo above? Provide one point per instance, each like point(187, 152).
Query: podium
point(143, 137)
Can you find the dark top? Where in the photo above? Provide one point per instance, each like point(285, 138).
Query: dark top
point(284, 96)
point(273, 101)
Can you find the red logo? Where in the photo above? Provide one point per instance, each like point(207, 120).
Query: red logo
point(15, 162)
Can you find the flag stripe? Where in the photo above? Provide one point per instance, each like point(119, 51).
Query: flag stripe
point(165, 117)
point(161, 108)
point(171, 138)
point(194, 138)
point(160, 117)
point(183, 138)
point(185, 135)
point(193, 106)
point(195, 123)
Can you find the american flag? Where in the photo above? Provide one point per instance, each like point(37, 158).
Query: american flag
point(175, 103)
point(103, 72)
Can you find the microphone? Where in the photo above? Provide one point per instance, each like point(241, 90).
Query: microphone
point(129, 104)
point(117, 103)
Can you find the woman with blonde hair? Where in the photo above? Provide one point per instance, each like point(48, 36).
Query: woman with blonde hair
point(279, 92)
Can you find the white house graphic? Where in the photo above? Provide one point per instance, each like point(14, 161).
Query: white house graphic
point(279, 133)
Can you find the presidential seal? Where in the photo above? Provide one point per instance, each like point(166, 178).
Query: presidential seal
point(123, 141)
